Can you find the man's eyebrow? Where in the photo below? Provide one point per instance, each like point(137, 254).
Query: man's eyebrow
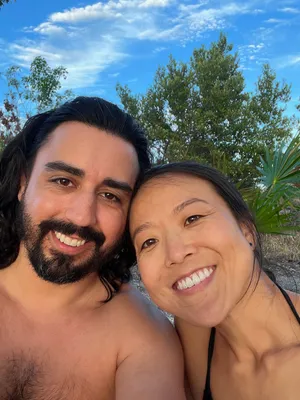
point(114, 184)
point(62, 166)
point(186, 203)
point(140, 229)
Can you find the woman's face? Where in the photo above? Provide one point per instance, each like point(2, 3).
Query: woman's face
point(194, 258)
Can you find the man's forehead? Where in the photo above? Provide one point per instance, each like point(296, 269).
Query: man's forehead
point(90, 149)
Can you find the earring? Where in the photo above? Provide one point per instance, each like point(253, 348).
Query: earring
point(250, 243)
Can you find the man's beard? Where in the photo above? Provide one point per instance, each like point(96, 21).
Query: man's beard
point(58, 267)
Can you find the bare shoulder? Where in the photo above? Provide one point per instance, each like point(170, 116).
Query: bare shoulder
point(150, 361)
point(137, 315)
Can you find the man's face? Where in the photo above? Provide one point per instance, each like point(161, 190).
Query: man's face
point(73, 208)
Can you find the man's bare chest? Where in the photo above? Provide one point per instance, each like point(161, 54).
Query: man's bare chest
point(28, 377)
point(57, 363)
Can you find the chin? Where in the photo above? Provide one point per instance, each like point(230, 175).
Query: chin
point(201, 319)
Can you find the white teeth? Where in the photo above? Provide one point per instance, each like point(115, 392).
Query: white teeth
point(202, 275)
point(69, 241)
point(194, 279)
point(189, 282)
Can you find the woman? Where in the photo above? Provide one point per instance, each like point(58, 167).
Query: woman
point(199, 256)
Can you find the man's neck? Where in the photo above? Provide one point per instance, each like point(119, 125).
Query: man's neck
point(26, 289)
point(261, 323)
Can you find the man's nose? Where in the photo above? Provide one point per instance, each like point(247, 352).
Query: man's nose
point(82, 209)
point(177, 249)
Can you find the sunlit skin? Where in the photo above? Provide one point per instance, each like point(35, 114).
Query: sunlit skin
point(75, 179)
point(69, 183)
point(179, 225)
point(186, 227)
point(62, 341)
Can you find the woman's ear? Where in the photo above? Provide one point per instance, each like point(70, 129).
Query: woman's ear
point(248, 234)
point(23, 184)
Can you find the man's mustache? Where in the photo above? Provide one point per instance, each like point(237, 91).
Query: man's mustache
point(67, 228)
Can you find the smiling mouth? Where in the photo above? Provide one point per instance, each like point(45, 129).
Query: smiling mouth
point(194, 279)
point(72, 242)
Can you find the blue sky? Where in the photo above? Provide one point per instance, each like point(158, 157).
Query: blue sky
point(102, 43)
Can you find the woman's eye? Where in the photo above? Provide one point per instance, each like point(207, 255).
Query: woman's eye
point(192, 219)
point(110, 197)
point(148, 243)
point(63, 182)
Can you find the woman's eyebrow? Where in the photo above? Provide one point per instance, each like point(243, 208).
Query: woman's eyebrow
point(186, 203)
point(176, 210)
point(140, 229)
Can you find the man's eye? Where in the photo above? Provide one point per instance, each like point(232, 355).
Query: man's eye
point(110, 197)
point(148, 243)
point(191, 219)
point(63, 182)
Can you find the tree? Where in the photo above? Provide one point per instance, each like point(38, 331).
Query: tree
point(275, 203)
point(36, 92)
point(200, 110)
point(2, 2)
point(10, 123)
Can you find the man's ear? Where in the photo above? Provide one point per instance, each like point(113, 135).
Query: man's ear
point(23, 183)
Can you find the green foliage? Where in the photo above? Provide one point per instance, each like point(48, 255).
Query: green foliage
point(36, 92)
point(2, 2)
point(276, 205)
point(200, 110)
point(40, 90)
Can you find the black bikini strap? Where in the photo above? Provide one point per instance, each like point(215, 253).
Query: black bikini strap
point(209, 359)
point(289, 301)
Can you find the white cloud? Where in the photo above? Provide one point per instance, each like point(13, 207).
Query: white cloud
point(191, 7)
point(290, 10)
point(263, 34)
point(46, 28)
point(84, 62)
point(114, 75)
point(251, 53)
point(211, 18)
point(274, 21)
point(165, 35)
point(88, 13)
point(78, 37)
point(154, 3)
point(109, 10)
point(289, 61)
point(159, 49)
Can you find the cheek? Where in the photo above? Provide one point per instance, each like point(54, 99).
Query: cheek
point(151, 275)
point(41, 207)
point(112, 224)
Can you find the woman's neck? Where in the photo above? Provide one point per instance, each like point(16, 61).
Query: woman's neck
point(260, 323)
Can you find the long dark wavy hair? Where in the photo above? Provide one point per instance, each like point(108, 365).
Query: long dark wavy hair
point(18, 157)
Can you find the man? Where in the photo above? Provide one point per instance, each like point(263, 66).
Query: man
point(71, 327)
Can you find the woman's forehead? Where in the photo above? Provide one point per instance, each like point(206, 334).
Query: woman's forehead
point(164, 195)
point(176, 183)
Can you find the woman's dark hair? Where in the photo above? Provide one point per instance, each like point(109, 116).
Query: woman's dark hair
point(18, 158)
point(222, 186)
